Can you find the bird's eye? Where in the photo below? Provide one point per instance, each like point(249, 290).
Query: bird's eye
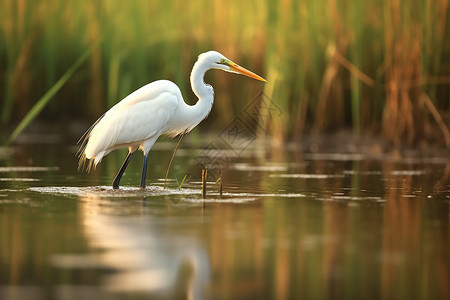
point(222, 60)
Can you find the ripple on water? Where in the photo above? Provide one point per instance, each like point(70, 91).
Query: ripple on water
point(19, 179)
point(27, 169)
point(273, 167)
point(308, 176)
point(108, 191)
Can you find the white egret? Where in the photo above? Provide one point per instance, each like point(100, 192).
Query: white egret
point(155, 109)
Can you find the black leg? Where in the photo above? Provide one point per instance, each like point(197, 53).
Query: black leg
point(144, 170)
point(122, 169)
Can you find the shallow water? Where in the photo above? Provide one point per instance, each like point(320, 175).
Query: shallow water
point(289, 224)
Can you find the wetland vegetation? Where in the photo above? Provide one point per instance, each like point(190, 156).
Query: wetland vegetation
point(373, 67)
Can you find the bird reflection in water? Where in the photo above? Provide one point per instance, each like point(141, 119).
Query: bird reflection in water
point(143, 258)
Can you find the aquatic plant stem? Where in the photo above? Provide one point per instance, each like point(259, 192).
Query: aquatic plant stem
point(219, 181)
point(182, 181)
point(171, 160)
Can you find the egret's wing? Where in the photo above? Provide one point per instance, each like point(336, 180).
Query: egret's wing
point(149, 92)
point(138, 117)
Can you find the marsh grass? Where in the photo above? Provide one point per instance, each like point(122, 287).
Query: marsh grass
point(45, 99)
point(330, 64)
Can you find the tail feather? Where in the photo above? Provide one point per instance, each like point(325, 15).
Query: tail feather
point(90, 163)
point(86, 164)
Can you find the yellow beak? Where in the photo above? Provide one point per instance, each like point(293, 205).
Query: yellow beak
point(238, 69)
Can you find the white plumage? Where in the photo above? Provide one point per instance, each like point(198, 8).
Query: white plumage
point(135, 121)
point(155, 109)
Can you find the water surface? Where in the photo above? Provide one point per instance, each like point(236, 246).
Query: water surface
point(289, 224)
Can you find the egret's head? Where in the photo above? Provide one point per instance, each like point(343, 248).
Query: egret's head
point(218, 61)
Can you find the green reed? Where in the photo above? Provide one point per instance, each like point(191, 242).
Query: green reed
point(329, 64)
point(45, 99)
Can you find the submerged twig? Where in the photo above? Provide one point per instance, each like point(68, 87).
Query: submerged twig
point(171, 160)
point(220, 186)
point(204, 176)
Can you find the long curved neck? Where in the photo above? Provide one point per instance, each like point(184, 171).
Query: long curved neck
point(203, 91)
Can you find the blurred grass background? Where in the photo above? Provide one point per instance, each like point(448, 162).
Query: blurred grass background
point(378, 67)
